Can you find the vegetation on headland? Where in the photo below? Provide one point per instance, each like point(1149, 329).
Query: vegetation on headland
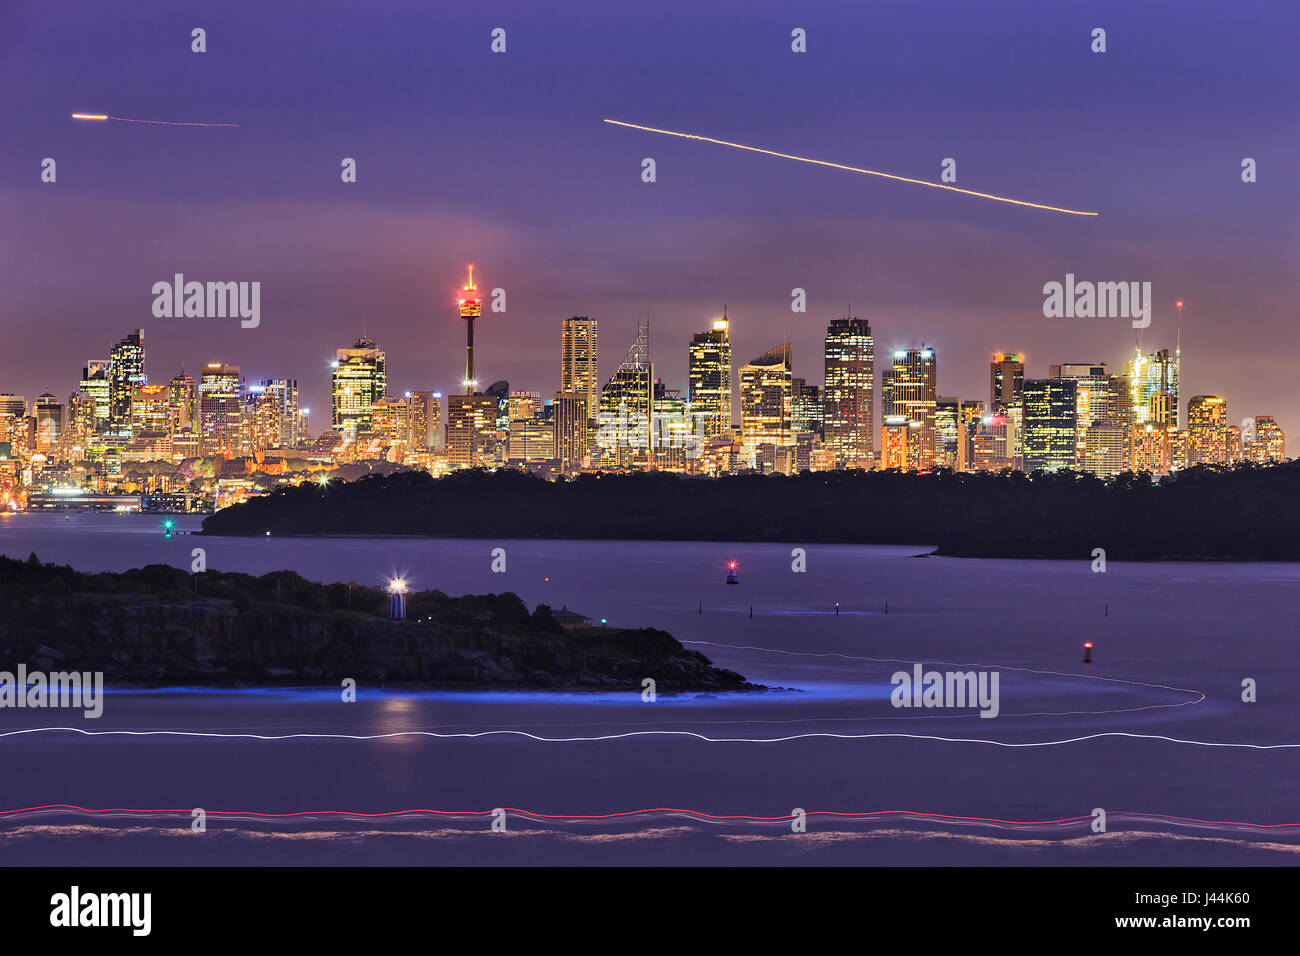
point(1247, 512)
point(159, 625)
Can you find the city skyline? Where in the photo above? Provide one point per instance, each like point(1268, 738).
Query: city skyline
point(567, 227)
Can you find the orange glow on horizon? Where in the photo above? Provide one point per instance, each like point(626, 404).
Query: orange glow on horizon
point(853, 169)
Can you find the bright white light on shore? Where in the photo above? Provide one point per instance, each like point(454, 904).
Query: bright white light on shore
point(397, 586)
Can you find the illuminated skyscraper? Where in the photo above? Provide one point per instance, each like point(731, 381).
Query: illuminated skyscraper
point(578, 355)
point(471, 307)
point(909, 389)
point(896, 434)
point(182, 393)
point(849, 394)
point(1207, 427)
point(1006, 381)
point(1093, 398)
point(95, 383)
point(955, 425)
point(807, 407)
point(569, 426)
point(1268, 442)
point(48, 412)
point(1050, 422)
point(281, 395)
point(125, 372)
point(472, 435)
point(221, 401)
point(151, 410)
point(709, 379)
point(359, 378)
point(431, 417)
point(765, 399)
point(1153, 388)
point(627, 404)
point(525, 405)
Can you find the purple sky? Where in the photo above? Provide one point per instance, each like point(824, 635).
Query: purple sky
point(465, 155)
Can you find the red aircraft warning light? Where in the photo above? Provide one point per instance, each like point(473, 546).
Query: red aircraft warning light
point(1087, 652)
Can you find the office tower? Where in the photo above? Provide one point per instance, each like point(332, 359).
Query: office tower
point(525, 405)
point(533, 438)
point(709, 379)
point(431, 416)
point(1150, 449)
point(391, 418)
point(1207, 430)
point(416, 437)
point(151, 410)
point(1268, 443)
point(1006, 381)
point(1051, 413)
point(182, 392)
point(95, 383)
point(500, 390)
point(955, 424)
point(673, 427)
point(849, 394)
point(472, 431)
point(1093, 398)
point(896, 435)
point(569, 419)
point(125, 371)
point(627, 403)
point(1153, 388)
point(1106, 448)
point(909, 390)
point(807, 407)
point(471, 307)
point(1235, 447)
point(48, 412)
point(281, 394)
point(765, 398)
point(578, 355)
point(81, 425)
point(359, 377)
point(221, 400)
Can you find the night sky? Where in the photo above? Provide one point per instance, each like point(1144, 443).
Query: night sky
point(501, 159)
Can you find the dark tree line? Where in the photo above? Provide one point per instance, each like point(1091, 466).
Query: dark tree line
point(1244, 512)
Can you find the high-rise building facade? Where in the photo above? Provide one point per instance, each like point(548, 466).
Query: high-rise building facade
point(1050, 423)
point(709, 379)
point(765, 398)
point(359, 378)
point(472, 433)
point(848, 398)
point(569, 419)
point(624, 427)
point(221, 406)
point(578, 358)
point(1207, 430)
point(430, 417)
point(125, 372)
point(909, 389)
point(1268, 443)
point(1006, 381)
